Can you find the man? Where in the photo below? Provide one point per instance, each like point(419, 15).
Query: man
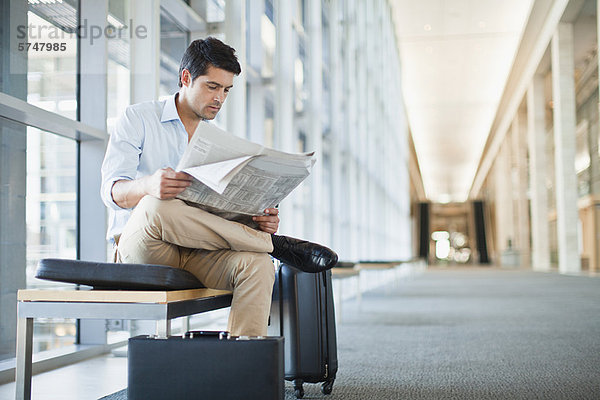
point(147, 224)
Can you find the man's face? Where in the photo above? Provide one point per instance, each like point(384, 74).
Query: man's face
point(208, 92)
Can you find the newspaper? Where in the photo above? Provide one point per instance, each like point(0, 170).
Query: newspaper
point(235, 178)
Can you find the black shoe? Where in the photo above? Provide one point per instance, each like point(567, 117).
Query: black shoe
point(306, 256)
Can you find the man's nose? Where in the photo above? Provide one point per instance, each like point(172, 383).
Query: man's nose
point(220, 96)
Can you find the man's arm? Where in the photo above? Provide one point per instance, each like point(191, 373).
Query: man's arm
point(163, 184)
point(120, 188)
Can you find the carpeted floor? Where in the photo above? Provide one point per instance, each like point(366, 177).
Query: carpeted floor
point(470, 333)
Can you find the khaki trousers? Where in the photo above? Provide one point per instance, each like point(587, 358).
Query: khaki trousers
point(222, 254)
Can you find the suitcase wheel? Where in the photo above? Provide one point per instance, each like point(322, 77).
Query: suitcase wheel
point(327, 386)
point(298, 389)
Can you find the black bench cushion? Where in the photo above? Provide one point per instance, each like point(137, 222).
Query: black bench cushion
point(117, 276)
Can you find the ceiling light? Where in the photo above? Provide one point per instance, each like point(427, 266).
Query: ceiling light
point(444, 198)
point(481, 24)
point(440, 235)
point(427, 27)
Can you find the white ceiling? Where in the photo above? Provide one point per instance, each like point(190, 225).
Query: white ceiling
point(456, 56)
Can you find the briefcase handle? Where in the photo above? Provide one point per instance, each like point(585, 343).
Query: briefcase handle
point(217, 334)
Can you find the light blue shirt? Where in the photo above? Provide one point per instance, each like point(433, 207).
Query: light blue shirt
point(148, 136)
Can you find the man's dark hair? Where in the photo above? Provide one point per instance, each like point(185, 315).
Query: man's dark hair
point(204, 53)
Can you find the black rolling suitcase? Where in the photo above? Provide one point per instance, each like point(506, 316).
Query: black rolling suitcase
point(303, 313)
point(205, 365)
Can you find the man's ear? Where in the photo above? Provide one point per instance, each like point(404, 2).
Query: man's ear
point(186, 77)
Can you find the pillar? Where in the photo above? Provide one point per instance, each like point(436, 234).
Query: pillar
point(335, 76)
point(285, 134)
point(145, 50)
point(92, 111)
point(563, 90)
point(350, 130)
point(13, 167)
point(504, 200)
point(255, 106)
point(235, 36)
point(536, 136)
point(519, 184)
point(362, 215)
point(314, 221)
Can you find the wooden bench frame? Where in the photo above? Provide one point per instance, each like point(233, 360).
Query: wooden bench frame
point(160, 306)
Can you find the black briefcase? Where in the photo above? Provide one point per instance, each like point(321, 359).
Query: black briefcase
point(205, 365)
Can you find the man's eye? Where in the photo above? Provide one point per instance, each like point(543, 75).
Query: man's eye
point(212, 87)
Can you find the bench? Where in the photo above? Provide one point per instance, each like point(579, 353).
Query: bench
point(386, 273)
point(344, 270)
point(339, 272)
point(158, 305)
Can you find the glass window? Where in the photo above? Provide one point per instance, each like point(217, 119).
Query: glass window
point(52, 189)
point(300, 72)
point(269, 41)
point(51, 217)
point(270, 11)
point(582, 158)
point(118, 77)
point(327, 198)
point(215, 10)
point(12, 230)
point(302, 12)
point(173, 42)
point(51, 207)
point(43, 71)
point(325, 35)
point(269, 139)
point(326, 103)
point(550, 168)
point(52, 71)
point(299, 85)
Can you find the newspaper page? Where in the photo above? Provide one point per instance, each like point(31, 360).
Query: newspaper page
point(236, 178)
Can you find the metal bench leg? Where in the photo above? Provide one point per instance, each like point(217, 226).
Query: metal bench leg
point(185, 324)
point(163, 328)
point(359, 292)
point(24, 354)
point(337, 291)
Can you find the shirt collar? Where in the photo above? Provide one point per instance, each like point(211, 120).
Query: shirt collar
point(170, 110)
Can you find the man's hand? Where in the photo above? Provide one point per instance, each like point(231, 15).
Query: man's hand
point(167, 184)
point(268, 223)
point(163, 184)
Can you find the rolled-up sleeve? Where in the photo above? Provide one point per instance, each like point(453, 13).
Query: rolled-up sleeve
point(122, 154)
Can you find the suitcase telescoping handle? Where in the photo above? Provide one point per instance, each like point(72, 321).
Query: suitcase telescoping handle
point(195, 334)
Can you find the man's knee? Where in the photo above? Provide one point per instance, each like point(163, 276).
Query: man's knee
point(257, 267)
point(262, 265)
point(152, 205)
point(154, 209)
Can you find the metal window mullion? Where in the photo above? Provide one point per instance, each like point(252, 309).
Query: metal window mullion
point(184, 15)
point(92, 101)
point(20, 111)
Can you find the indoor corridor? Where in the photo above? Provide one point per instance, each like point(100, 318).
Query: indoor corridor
point(451, 160)
point(447, 333)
